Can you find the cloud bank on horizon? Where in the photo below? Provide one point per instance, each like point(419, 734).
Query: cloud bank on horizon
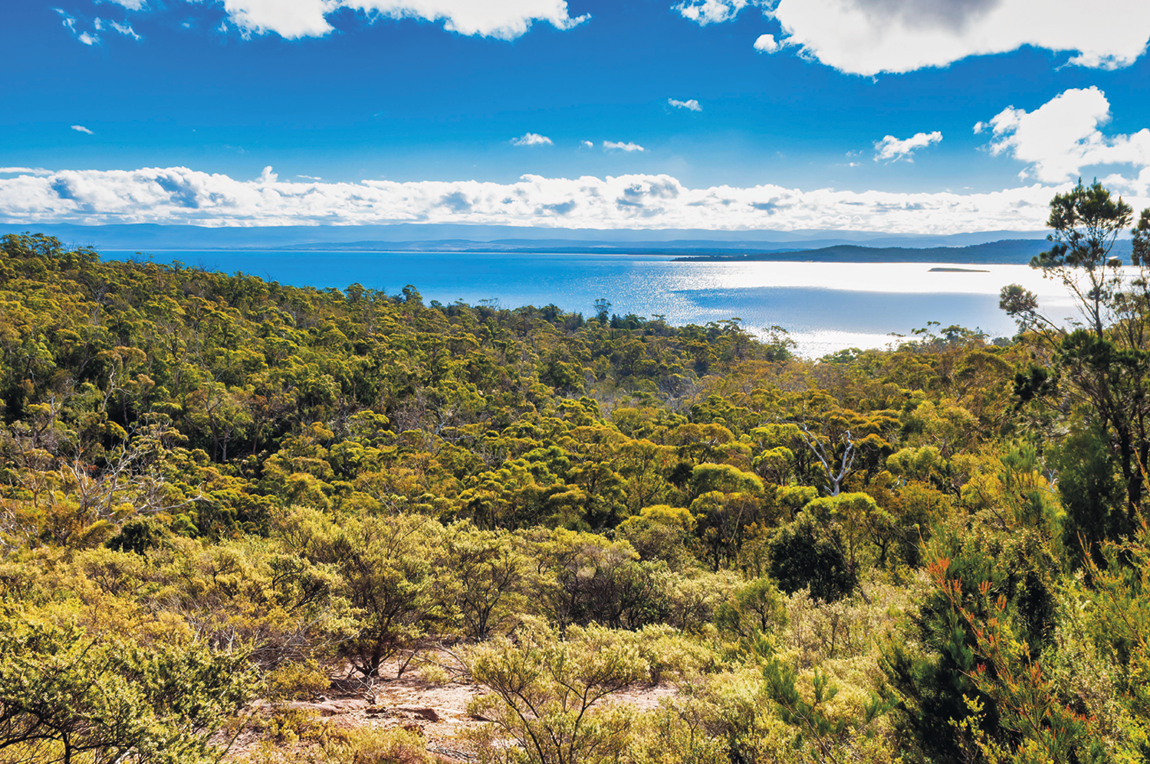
point(178, 195)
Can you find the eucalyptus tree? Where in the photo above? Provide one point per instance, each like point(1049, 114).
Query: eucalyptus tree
point(1095, 368)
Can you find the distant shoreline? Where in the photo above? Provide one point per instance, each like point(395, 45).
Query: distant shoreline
point(1005, 252)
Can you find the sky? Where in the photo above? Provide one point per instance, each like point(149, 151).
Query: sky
point(899, 116)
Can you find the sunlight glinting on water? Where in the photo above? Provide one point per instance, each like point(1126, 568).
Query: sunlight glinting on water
point(908, 278)
point(827, 307)
point(819, 343)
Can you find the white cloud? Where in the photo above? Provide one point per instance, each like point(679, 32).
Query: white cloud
point(710, 11)
point(691, 105)
point(181, 195)
point(131, 5)
point(532, 139)
point(891, 149)
point(67, 20)
point(287, 18)
point(587, 144)
point(505, 19)
point(82, 129)
point(1062, 136)
point(872, 36)
point(309, 177)
point(766, 43)
point(99, 24)
point(69, 23)
point(620, 146)
point(126, 30)
point(24, 171)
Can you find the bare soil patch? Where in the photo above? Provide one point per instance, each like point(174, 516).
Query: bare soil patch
point(436, 711)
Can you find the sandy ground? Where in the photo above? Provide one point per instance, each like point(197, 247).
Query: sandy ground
point(437, 711)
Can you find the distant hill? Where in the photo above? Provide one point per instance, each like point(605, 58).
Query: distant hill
point(1005, 252)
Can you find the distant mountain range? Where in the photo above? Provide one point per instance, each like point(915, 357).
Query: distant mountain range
point(1005, 252)
point(462, 238)
point(985, 247)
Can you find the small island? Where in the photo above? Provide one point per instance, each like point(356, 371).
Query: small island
point(941, 269)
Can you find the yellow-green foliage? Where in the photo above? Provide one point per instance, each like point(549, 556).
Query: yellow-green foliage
point(67, 695)
point(296, 740)
point(550, 694)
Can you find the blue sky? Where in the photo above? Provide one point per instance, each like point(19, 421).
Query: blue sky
point(629, 114)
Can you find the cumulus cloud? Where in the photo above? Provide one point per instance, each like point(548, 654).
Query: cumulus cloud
point(872, 36)
point(710, 11)
point(1062, 136)
point(291, 19)
point(766, 43)
point(505, 19)
point(181, 195)
point(131, 5)
point(620, 146)
point(891, 149)
point(531, 139)
point(82, 129)
point(691, 105)
point(587, 144)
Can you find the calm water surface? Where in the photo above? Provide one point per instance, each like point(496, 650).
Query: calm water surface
point(825, 306)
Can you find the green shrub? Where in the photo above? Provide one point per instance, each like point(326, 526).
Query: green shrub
point(806, 556)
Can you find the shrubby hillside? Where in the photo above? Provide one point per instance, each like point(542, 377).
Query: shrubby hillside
point(220, 494)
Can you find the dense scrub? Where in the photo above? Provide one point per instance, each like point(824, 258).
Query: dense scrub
point(214, 488)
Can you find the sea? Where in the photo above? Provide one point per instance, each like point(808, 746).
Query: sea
point(825, 307)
